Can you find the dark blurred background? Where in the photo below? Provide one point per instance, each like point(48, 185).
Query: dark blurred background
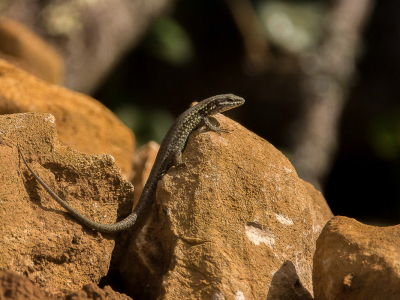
point(320, 78)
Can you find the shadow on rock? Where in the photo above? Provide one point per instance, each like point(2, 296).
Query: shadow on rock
point(286, 285)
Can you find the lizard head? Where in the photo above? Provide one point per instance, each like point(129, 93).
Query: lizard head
point(223, 103)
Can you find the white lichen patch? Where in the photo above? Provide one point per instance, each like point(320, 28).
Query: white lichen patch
point(239, 296)
point(257, 236)
point(50, 118)
point(284, 220)
point(218, 295)
point(287, 170)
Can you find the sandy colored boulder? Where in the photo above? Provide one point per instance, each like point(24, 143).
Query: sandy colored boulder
point(82, 123)
point(356, 261)
point(225, 224)
point(37, 237)
point(23, 48)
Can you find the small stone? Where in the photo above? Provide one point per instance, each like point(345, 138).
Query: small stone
point(356, 261)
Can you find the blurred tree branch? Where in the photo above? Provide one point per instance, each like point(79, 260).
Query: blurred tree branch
point(328, 73)
point(252, 33)
point(91, 36)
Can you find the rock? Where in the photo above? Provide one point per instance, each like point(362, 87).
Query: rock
point(82, 123)
point(143, 161)
point(38, 238)
point(223, 226)
point(23, 48)
point(286, 285)
point(17, 287)
point(320, 203)
point(356, 261)
point(92, 292)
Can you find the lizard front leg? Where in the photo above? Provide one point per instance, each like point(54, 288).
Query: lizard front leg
point(211, 127)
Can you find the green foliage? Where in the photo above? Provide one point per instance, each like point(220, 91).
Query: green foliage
point(169, 42)
point(384, 136)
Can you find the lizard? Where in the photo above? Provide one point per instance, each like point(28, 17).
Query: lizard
point(169, 154)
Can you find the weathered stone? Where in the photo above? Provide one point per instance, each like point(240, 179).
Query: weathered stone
point(23, 48)
point(356, 261)
point(82, 123)
point(226, 223)
point(17, 287)
point(286, 285)
point(93, 292)
point(37, 237)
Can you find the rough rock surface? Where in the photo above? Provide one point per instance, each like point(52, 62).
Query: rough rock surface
point(23, 48)
point(37, 237)
point(356, 261)
point(285, 285)
point(223, 227)
point(17, 287)
point(88, 292)
point(82, 123)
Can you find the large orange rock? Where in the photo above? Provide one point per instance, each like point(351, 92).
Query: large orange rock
point(23, 48)
point(357, 261)
point(82, 123)
point(37, 237)
point(229, 225)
